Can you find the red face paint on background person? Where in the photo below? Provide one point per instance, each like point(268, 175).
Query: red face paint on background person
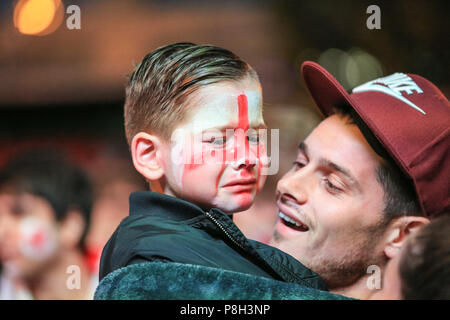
point(30, 240)
point(214, 159)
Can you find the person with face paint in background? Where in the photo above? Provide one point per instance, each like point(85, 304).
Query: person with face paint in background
point(192, 120)
point(45, 205)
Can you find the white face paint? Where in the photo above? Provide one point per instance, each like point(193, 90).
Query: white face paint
point(29, 235)
point(214, 160)
point(37, 239)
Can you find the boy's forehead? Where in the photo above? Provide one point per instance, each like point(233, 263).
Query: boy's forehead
point(220, 108)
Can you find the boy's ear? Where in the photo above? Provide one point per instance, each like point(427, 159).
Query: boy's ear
point(146, 151)
point(398, 232)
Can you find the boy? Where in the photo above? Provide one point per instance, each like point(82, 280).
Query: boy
point(192, 115)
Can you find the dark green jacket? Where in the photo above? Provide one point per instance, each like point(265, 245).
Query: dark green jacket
point(164, 228)
point(176, 281)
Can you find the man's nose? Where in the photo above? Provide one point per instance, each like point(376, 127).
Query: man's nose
point(295, 185)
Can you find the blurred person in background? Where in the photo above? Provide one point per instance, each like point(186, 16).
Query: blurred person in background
point(114, 180)
point(45, 206)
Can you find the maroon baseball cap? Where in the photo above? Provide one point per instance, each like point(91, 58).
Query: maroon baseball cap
point(408, 115)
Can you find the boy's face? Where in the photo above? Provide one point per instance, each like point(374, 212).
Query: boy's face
point(216, 155)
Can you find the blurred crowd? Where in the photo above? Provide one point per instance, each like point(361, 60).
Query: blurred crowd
point(54, 222)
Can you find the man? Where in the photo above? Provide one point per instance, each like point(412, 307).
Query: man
point(371, 173)
point(45, 205)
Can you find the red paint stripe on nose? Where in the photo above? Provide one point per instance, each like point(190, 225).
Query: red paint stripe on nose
point(243, 123)
point(243, 112)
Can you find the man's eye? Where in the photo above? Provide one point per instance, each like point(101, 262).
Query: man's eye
point(298, 165)
point(332, 187)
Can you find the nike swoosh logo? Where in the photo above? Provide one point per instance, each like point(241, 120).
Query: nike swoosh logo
point(392, 93)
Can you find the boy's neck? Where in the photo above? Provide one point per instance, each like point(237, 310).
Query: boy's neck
point(156, 186)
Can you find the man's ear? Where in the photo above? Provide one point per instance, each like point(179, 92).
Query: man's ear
point(398, 232)
point(146, 151)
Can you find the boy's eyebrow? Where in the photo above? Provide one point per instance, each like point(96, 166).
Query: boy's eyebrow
point(259, 126)
point(228, 127)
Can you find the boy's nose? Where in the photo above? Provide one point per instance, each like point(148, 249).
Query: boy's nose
point(244, 155)
point(244, 162)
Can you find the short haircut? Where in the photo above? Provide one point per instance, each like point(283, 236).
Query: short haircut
point(160, 85)
point(424, 265)
point(400, 198)
point(46, 173)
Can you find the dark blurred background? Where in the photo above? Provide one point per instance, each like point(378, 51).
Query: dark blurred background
point(64, 87)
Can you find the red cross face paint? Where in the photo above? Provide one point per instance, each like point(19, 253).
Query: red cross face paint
point(216, 157)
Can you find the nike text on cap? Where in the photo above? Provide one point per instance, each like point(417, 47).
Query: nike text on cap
point(411, 119)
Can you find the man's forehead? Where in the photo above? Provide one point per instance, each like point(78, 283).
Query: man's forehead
point(343, 144)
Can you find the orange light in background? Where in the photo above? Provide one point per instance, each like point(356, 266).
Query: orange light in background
point(38, 17)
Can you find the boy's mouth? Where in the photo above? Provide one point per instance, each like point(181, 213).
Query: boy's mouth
point(241, 184)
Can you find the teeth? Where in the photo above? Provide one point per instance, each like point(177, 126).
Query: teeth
point(288, 219)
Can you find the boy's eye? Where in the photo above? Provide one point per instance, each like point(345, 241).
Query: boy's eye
point(217, 141)
point(253, 138)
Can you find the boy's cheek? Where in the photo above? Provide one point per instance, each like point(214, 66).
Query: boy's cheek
point(261, 181)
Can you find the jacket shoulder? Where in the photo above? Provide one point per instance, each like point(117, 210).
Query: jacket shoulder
point(154, 280)
point(292, 269)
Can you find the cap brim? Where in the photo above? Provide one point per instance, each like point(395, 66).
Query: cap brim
point(324, 89)
point(395, 131)
point(328, 94)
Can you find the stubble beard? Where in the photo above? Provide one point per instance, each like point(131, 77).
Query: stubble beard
point(345, 270)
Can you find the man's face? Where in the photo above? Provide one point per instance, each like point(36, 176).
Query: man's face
point(28, 233)
point(331, 204)
point(216, 156)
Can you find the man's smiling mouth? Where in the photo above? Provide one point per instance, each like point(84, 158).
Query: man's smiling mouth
point(289, 217)
point(291, 223)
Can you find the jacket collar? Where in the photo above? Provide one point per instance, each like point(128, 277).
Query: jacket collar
point(153, 203)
